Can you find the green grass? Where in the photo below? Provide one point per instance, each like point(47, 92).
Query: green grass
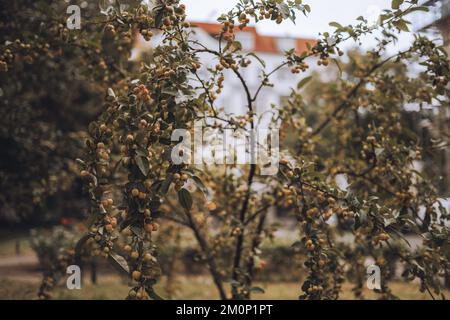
point(191, 288)
point(17, 290)
point(8, 243)
point(185, 287)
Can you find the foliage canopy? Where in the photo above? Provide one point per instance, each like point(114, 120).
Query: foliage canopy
point(355, 127)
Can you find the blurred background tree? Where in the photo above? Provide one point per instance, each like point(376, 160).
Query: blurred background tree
point(421, 122)
point(52, 85)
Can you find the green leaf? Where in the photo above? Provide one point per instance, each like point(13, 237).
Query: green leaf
point(307, 8)
point(378, 151)
point(284, 9)
point(361, 18)
point(159, 15)
point(389, 221)
point(185, 198)
point(119, 262)
point(384, 17)
point(396, 4)
point(142, 163)
point(237, 45)
point(257, 290)
point(166, 184)
point(303, 82)
point(336, 25)
point(137, 230)
point(152, 269)
point(199, 183)
point(401, 25)
point(126, 223)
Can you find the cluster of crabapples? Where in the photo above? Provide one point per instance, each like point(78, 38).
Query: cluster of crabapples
point(288, 195)
point(299, 67)
point(220, 81)
point(377, 239)
point(437, 65)
point(168, 17)
point(149, 223)
point(20, 51)
point(261, 11)
point(324, 58)
point(174, 15)
point(243, 20)
point(102, 154)
point(103, 231)
point(380, 237)
point(314, 289)
point(141, 262)
point(180, 180)
point(324, 50)
point(142, 94)
point(120, 33)
point(102, 237)
point(325, 206)
point(227, 62)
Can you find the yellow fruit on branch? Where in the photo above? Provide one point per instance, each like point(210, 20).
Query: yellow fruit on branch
point(136, 275)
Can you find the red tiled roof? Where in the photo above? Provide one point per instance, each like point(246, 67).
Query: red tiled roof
point(261, 43)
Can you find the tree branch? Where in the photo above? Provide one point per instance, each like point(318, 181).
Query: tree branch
point(213, 268)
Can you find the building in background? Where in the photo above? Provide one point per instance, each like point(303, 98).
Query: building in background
point(439, 20)
point(271, 50)
point(233, 100)
point(268, 48)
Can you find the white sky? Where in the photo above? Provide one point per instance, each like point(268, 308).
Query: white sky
point(322, 12)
